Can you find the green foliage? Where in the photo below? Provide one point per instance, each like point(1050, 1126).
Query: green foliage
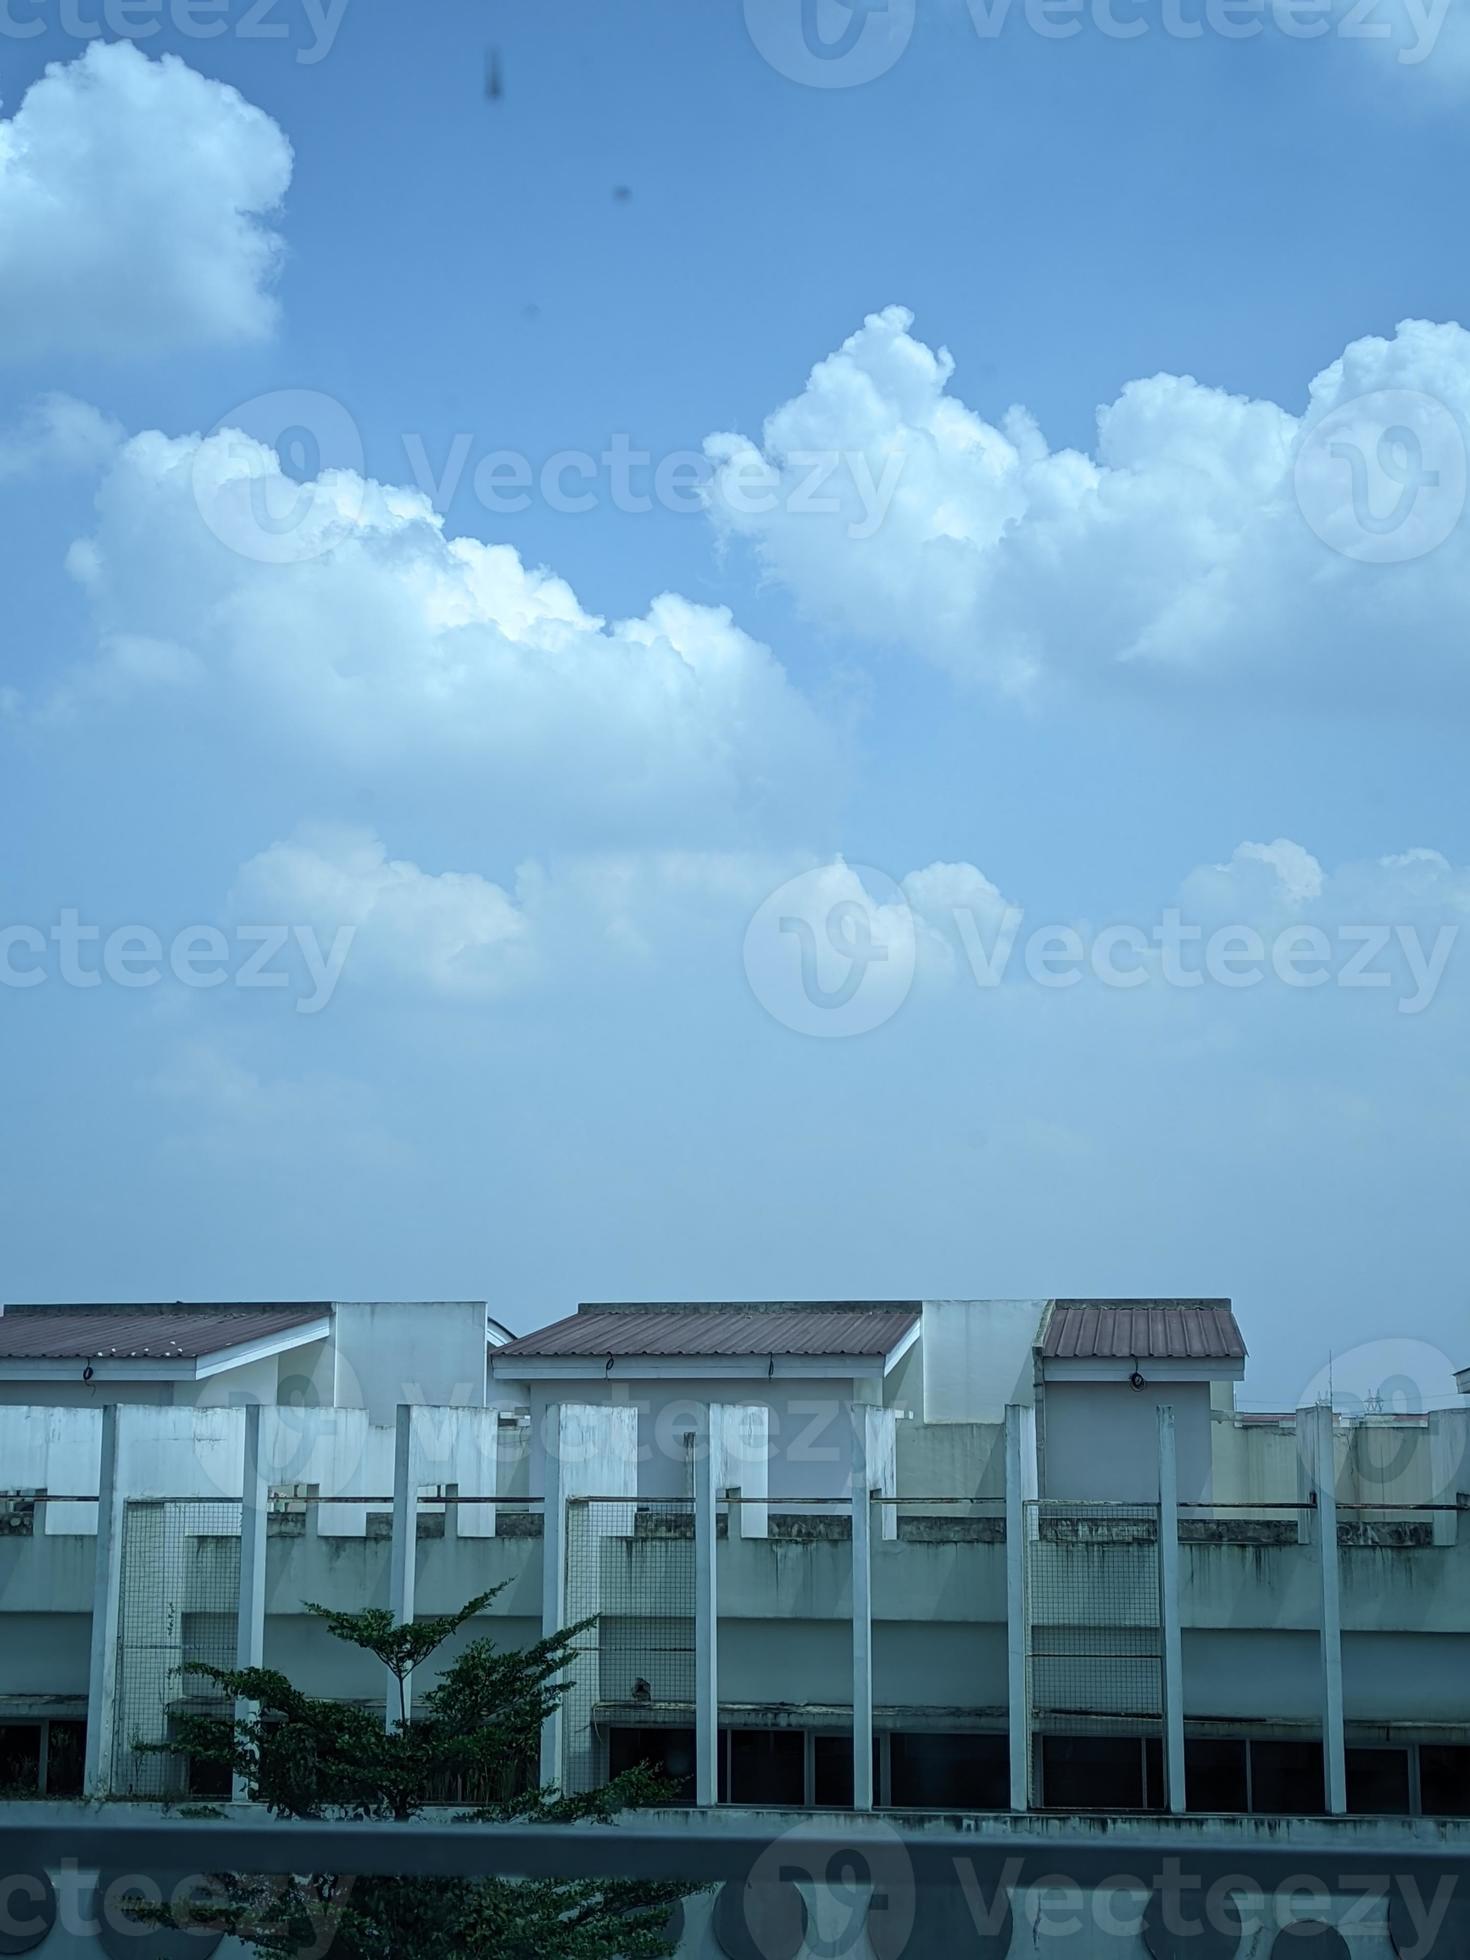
point(473, 1742)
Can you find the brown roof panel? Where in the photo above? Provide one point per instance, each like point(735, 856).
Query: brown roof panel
point(725, 1328)
point(146, 1333)
point(1143, 1330)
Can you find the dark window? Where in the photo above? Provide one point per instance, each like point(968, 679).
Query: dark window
point(669, 1751)
point(1214, 1774)
point(768, 1766)
point(207, 1779)
point(1092, 1772)
point(950, 1772)
point(66, 1751)
point(1378, 1782)
point(1155, 1792)
point(1286, 1778)
point(832, 1771)
point(1444, 1779)
point(20, 1759)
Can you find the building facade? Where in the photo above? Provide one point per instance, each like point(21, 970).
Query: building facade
point(1020, 1563)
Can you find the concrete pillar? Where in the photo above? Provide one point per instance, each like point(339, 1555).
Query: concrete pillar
point(1018, 1700)
point(706, 1618)
point(1306, 1481)
point(553, 1583)
point(1171, 1639)
point(862, 1610)
point(1324, 1476)
point(106, 1591)
point(254, 1517)
point(1446, 1468)
point(404, 1567)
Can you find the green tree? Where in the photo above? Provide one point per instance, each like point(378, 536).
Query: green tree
point(472, 1741)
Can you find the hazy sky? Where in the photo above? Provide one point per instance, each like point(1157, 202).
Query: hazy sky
point(668, 650)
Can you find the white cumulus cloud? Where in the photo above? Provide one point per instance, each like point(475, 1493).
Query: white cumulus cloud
point(1208, 539)
point(1265, 882)
point(135, 206)
point(454, 932)
point(353, 627)
point(573, 919)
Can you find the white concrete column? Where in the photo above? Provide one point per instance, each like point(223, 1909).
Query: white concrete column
point(254, 1517)
point(1447, 1429)
point(1324, 1477)
point(1018, 1701)
point(862, 1609)
point(106, 1592)
point(1171, 1639)
point(404, 1566)
point(706, 1618)
point(553, 1583)
point(1306, 1479)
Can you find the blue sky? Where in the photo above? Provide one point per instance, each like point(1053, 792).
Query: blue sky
point(1086, 673)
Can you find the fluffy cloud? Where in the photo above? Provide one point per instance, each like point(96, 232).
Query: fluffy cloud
point(58, 433)
point(812, 933)
point(1209, 538)
point(455, 932)
point(1282, 876)
point(461, 936)
point(134, 205)
point(337, 618)
point(1263, 883)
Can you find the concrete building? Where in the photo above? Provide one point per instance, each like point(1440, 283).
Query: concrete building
point(314, 1353)
point(1014, 1559)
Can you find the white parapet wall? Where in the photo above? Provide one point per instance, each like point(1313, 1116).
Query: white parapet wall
point(192, 1452)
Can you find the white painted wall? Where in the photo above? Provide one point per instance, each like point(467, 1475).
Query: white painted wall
point(1101, 1439)
point(256, 1381)
point(978, 1355)
point(810, 1428)
point(1378, 1461)
point(390, 1352)
point(740, 1446)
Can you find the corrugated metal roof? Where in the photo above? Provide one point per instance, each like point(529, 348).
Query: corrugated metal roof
point(724, 1328)
point(1142, 1330)
point(146, 1333)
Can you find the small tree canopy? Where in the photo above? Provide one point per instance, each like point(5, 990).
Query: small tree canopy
point(473, 1741)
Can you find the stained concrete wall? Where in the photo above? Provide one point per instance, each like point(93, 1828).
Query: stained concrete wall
point(951, 1459)
point(1052, 1919)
